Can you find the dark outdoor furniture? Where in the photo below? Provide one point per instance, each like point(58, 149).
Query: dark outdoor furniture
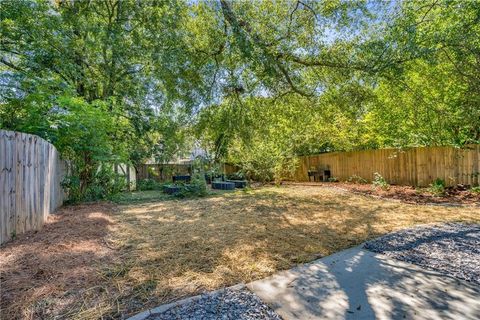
point(320, 174)
point(326, 175)
point(239, 183)
point(221, 185)
point(171, 189)
point(313, 175)
point(184, 178)
point(208, 178)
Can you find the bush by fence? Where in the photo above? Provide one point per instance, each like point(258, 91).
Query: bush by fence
point(413, 166)
point(31, 172)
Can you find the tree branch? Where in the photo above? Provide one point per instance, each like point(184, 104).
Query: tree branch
point(10, 64)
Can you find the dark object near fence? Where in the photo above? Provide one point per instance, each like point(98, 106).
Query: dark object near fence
point(319, 175)
point(239, 183)
point(171, 189)
point(181, 179)
point(326, 175)
point(312, 175)
point(208, 179)
point(220, 185)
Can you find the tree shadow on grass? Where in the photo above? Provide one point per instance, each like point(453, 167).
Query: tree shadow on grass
point(111, 262)
point(205, 244)
point(191, 246)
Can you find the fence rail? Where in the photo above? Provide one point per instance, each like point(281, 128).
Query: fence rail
point(30, 175)
point(413, 166)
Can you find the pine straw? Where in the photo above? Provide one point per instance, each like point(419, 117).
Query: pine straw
point(98, 260)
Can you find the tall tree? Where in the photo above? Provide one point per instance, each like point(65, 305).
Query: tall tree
point(129, 57)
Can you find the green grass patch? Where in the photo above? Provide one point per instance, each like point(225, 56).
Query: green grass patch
point(136, 197)
point(141, 196)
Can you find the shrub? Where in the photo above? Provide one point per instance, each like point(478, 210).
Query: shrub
point(437, 187)
point(264, 161)
point(239, 175)
point(105, 183)
point(196, 188)
point(148, 184)
point(475, 189)
point(71, 185)
point(379, 181)
point(213, 171)
point(356, 179)
point(333, 179)
point(111, 182)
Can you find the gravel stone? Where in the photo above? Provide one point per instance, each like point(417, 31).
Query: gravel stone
point(228, 305)
point(452, 248)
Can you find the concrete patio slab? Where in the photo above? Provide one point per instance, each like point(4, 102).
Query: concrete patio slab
point(359, 284)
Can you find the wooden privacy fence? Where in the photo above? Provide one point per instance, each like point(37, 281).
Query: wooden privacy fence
point(164, 172)
point(413, 166)
point(30, 175)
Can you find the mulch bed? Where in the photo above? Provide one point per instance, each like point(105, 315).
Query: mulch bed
point(457, 195)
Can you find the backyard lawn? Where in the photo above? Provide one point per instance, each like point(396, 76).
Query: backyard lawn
point(115, 259)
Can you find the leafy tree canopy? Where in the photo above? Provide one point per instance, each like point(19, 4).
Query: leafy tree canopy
point(257, 82)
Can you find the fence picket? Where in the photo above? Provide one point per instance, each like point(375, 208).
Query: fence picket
point(30, 169)
point(413, 166)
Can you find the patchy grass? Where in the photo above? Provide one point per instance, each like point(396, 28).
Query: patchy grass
point(140, 196)
point(109, 261)
point(155, 195)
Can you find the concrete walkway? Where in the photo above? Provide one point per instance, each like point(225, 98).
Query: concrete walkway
point(359, 284)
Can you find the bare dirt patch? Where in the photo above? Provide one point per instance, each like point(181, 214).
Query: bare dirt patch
point(98, 260)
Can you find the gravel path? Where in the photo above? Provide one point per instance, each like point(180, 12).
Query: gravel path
point(452, 248)
point(228, 304)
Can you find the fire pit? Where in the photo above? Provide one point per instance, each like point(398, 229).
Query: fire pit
point(239, 183)
point(171, 189)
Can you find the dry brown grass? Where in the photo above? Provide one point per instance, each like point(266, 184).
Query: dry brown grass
point(145, 254)
point(53, 271)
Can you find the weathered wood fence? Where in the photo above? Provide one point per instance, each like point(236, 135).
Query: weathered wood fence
point(30, 175)
point(164, 172)
point(413, 166)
